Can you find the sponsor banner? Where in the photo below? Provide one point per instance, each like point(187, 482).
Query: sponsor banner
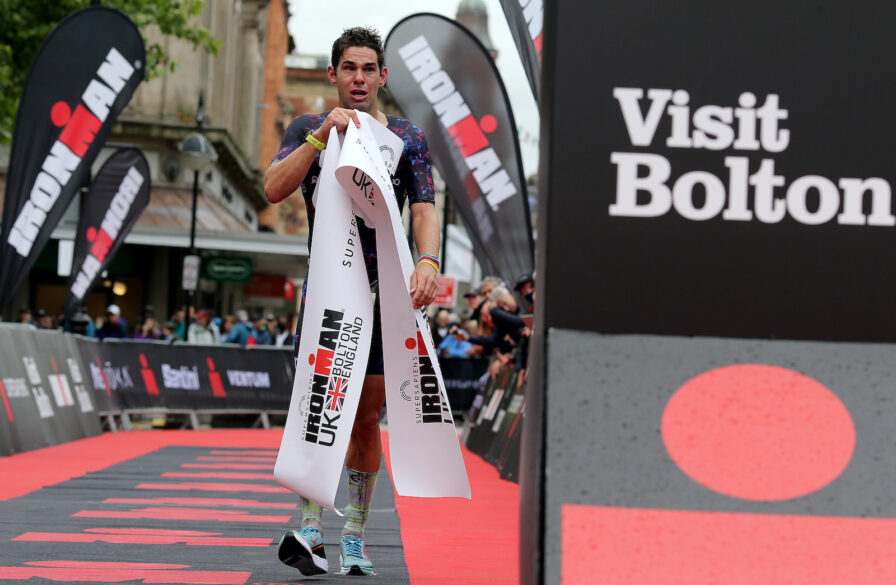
point(508, 463)
point(720, 188)
point(483, 431)
point(526, 20)
point(35, 424)
point(510, 407)
point(110, 208)
point(264, 376)
point(84, 396)
point(82, 77)
point(495, 423)
point(446, 83)
point(95, 380)
point(54, 385)
point(146, 374)
point(740, 191)
point(13, 390)
point(43, 398)
point(62, 375)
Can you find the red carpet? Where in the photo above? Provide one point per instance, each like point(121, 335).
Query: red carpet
point(478, 537)
point(25, 472)
point(482, 533)
point(632, 546)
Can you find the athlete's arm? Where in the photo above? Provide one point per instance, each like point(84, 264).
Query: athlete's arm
point(283, 177)
point(417, 181)
point(424, 284)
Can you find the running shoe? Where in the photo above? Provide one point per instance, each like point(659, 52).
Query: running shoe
point(304, 550)
point(354, 560)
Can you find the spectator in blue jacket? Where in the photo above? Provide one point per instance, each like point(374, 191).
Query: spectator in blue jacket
point(242, 332)
point(452, 346)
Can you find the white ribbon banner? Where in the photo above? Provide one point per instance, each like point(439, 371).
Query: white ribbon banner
point(336, 331)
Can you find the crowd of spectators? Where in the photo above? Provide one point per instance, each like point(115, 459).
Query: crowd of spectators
point(199, 327)
point(41, 319)
point(493, 325)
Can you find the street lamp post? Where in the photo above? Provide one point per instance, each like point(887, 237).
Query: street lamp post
point(196, 153)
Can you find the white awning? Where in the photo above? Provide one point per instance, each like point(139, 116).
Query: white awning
point(172, 237)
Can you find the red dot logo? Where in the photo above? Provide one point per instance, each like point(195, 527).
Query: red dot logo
point(758, 432)
point(410, 343)
point(488, 123)
point(91, 234)
point(60, 114)
point(311, 359)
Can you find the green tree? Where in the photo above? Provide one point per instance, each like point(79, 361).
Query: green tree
point(25, 24)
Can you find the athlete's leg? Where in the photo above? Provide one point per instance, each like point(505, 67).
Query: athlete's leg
point(304, 548)
point(311, 514)
point(364, 448)
point(362, 462)
point(361, 465)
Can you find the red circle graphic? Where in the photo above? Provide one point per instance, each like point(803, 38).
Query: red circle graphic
point(311, 359)
point(410, 343)
point(488, 123)
point(60, 113)
point(758, 432)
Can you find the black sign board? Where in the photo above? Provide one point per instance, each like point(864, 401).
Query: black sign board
point(722, 168)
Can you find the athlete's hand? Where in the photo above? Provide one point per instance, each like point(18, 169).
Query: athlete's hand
point(338, 117)
point(424, 285)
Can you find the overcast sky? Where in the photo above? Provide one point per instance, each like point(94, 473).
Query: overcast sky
point(315, 25)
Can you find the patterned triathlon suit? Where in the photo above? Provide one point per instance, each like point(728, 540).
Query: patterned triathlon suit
point(412, 182)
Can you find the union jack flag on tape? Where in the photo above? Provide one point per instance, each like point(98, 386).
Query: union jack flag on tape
point(336, 393)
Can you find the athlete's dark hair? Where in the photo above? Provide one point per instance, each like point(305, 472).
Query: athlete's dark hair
point(358, 36)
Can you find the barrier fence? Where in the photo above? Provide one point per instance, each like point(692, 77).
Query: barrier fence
point(44, 390)
point(462, 381)
point(57, 387)
point(129, 376)
point(495, 423)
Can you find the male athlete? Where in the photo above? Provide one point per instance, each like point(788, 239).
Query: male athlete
point(358, 73)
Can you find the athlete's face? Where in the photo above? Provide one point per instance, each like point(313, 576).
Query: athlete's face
point(358, 78)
